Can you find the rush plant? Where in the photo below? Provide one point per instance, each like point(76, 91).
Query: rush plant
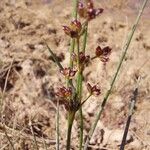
point(71, 95)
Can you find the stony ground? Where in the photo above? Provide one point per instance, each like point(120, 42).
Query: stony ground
point(28, 75)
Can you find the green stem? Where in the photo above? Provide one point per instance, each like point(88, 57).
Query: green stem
point(71, 116)
point(79, 75)
point(54, 57)
point(79, 90)
point(80, 110)
point(75, 5)
point(72, 45)
point(85, 37)
point(78, 53)
point(69, 81)
point(81, 128)
point(80, 80)
point(125, 49)
point(86, 99)
point(72, 42)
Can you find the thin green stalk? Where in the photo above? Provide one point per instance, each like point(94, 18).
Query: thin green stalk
point(78, 53)
point(71, 116)
point(72, 45)
point(125, 49)
point(80, 110)
point(131, 110)
point(54, 57)
point(75, 5)
point(86, 99)
point(57, 126)
point(79, 75)
point(80, 78)
point(80, 89)
point(72, 42)
point(85, 37)
point(59, 65)
point(81, 128)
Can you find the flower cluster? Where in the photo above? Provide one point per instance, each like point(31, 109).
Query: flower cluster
point(65, 95)
point(83, 59)
point(103, 53)
point(64, 92)
point(73, 30)
point(69, 96)
point(68, 72)
point(93, 90)
point(88, 11)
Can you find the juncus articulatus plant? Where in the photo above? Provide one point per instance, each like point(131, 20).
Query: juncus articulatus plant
point(71, 95)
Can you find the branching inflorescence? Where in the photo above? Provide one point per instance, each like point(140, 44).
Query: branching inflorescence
point(76, 30)
point(70, 95)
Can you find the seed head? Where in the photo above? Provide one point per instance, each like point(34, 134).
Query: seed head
point(82, 10)
point(93, 90)
point(68, 72)
point(73, 29)
point(64, 92)
point(98, 51)
point(88, 11)
point(106, 51)
point(103, 54)
point(83, 59)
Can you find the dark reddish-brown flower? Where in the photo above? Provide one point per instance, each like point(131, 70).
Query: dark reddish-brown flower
point(88, 12)
point(106, 51)
point(73, 29)
point(68, 72)
point(82, 10)
point(64, 92)
point(93, 90)
point(103, 53)
point(83, 59)
point(67, 99)
point(99, 51)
